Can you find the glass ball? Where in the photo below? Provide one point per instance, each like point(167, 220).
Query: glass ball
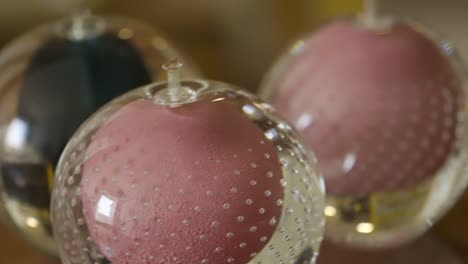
point(205, 174)
point(53, 78)
point(383, 108)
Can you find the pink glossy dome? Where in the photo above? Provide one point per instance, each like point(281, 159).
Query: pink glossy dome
point(379, 109)
point(189, 185)
point(187, 172)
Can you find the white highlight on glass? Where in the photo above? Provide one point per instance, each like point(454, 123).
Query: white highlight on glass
point(330, 210)
point(16, 133)
point(304, 121)
point(365, 228)
point(105, 209)
point(271, 134)
point(348, 162)
point(32, 222)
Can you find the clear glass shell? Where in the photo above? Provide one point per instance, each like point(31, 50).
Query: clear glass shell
point(51, 79)
point(213, 177)
point(393, 156)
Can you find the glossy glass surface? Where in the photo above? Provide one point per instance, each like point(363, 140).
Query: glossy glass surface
point(384, 109)
point(203, 173)
point(51, 80)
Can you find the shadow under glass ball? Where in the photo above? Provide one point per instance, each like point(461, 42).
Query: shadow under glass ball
point(59, 84)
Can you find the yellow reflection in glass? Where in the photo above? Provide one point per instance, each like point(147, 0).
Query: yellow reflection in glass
point(365, 228)
point(330, 210)
point(32, 222)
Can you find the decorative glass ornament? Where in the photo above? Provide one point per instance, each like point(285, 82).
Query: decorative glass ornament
point(381, 101)
point(51, 80)
point(187, 172)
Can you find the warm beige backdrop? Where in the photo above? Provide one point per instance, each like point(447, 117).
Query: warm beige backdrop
point(237, 41)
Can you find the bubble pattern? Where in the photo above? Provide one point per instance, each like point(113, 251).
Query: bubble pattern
point(389, 122)
point(200, 183)
point(185, 180)
point(385, 115)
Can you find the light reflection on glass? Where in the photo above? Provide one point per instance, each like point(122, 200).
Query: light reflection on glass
point(218, 99)
point(159, 43)
point(271, 134)
point(125, 33)
point(330, 210)
point(297, 46)
point(252, 111)
point(348, 162)
point(304, 121)
point(365, 228)
point(16, 133)
point(32, 222)
point(105, 210)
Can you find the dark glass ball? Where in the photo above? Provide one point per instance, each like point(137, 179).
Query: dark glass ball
point(51, 80)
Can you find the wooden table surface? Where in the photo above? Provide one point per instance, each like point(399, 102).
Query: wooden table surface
point(452, 231)
point(14, 250)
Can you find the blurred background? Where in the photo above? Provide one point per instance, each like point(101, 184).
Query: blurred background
point(237, 41)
